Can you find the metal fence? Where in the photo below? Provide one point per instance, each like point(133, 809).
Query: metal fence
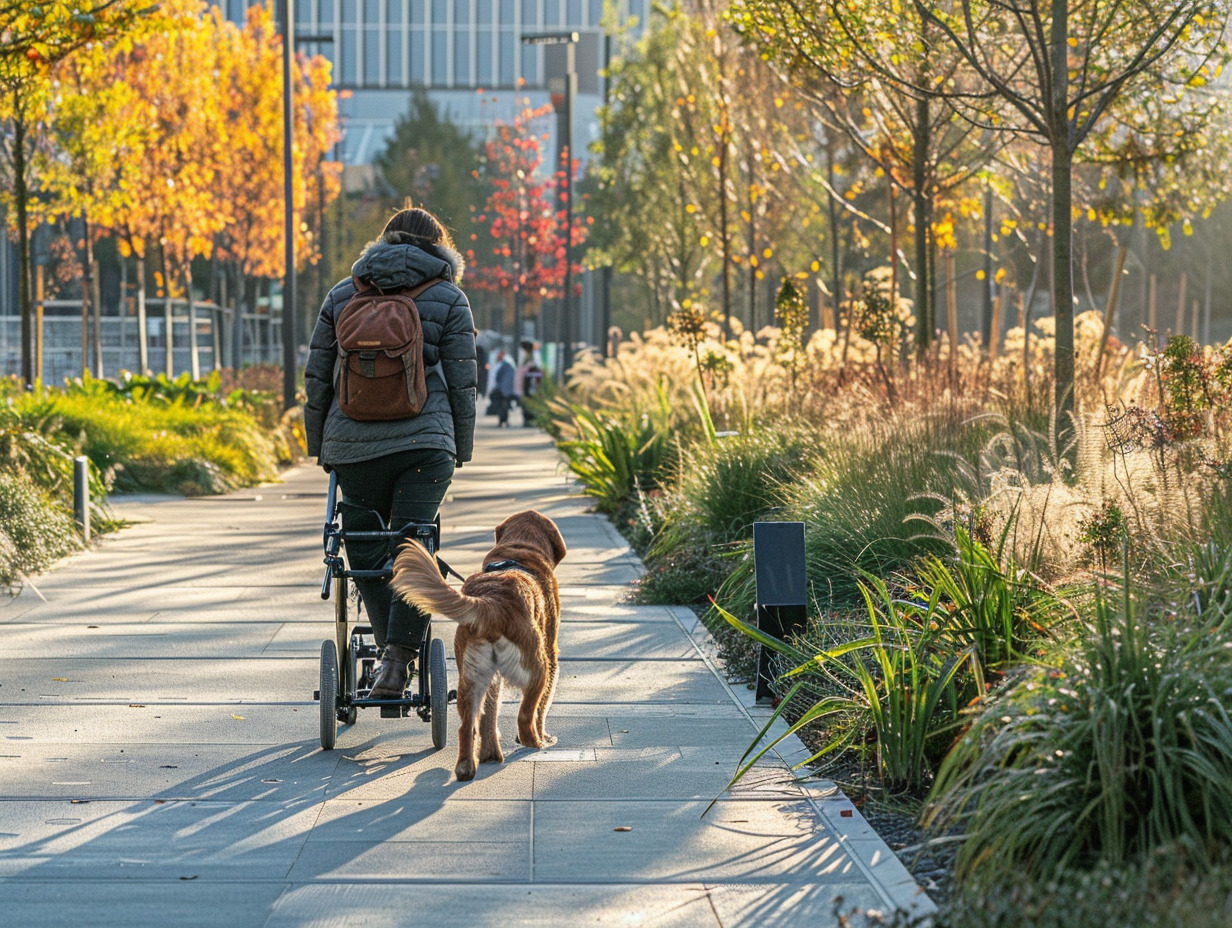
point(257, 335)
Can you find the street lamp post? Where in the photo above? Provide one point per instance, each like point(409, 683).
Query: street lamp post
point(289, 339)
point(565, 154)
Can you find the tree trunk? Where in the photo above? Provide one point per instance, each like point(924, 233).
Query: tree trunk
point(1062, 223)
point(143, 336)
point(194, 353)
point(836, 251)
point(924, 321)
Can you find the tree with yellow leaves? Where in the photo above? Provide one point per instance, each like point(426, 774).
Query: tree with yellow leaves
point(34, 38)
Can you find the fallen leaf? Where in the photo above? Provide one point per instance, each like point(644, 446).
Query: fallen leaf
point(622, 828)
point(136, 705)
point(59, 679)
point(238, 718)
point(193, 877)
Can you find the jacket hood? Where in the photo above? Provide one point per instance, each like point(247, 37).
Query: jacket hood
point(390, 267)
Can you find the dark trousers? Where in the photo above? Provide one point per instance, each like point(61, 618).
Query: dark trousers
point(501, 403)
point(398, 488)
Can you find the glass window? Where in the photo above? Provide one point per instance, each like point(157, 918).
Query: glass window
point(372, 12)
point(372, 56)
point(596, 12)
point(529, 60)
point(508, 59)
point(573, 13)
point(235, 10)
point(483, 12)
point(551, 12)
point(418, 9)
point(483, 57)
point(508, 15)
point(393, 12)
point(325, 13)
point(350, 13)
point(530, 13)
point(418, 55)
point(440, 12)
point(303, 13)
point(462, 12)
point(462, 58)
point(440, 58)
point(349, 53)
point(393, 57)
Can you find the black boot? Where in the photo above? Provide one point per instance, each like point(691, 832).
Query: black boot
point(392, 672)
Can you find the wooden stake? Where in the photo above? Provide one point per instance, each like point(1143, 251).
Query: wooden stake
point(951, 305)
point(1110, 309)
point(1180, 308)
point(1152, 306)
point(1197, 330)
point(994, 331)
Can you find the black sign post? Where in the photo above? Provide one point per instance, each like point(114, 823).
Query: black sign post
point(782, 602)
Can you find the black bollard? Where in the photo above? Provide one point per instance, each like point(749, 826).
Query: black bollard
point(782, 602)
point(81, 495)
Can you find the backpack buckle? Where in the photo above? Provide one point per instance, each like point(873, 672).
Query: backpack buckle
point(367, 363)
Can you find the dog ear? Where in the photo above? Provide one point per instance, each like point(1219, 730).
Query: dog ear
point(500, 529)
point(556, 540)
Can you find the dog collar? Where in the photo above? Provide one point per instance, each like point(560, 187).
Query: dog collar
point(508, 564)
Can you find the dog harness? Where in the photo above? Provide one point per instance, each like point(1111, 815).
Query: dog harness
point(508, 564)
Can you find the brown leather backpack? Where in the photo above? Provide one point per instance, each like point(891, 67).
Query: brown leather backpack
point(379, 374)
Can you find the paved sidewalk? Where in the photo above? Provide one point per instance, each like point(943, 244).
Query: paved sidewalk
point(160, 763)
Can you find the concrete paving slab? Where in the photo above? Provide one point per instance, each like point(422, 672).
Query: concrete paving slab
point(670, 841)
point(411, 818)
point(219, 771)
point(152, 839)
point(628, 640)
point(629, 681)
point(527, 905)
point(170, 724)
point(413, 861)
point(124, 680)
point(37, 901)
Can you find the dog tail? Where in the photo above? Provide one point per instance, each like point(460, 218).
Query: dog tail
point(418, 580)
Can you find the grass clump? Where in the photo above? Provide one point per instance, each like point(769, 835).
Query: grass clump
point(35, 530)
point(1124, 748)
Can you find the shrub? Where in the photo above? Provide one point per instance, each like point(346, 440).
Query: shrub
point(34, 530)
point(723, 488)
point(163, 445)
point(862, 501)
point(1124, 748)
point(902, 686)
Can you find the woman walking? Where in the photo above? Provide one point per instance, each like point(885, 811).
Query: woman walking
point(397, 470)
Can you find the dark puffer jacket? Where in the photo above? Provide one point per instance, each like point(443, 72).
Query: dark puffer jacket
point(447, 421)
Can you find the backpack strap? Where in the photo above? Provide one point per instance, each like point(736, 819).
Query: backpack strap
point(363, 286)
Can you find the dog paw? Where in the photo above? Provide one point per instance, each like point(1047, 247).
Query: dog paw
point(465, 770)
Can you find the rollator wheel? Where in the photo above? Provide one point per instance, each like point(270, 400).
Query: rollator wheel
point(438, 691)
point(329, 695)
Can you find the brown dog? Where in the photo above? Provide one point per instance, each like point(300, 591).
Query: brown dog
point(508, 617)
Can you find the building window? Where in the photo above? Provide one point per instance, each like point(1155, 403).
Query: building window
point(462, 58)
point(530, 12)
point(394, 37)
point(484, 50)
point(440, 58)
point(509, 15)
point(440, 12)
point(418, 55)
point(508, 59)
point(573, 13)
point(551, 12)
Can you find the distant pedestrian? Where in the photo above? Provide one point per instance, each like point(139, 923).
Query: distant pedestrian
point(502, 388)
